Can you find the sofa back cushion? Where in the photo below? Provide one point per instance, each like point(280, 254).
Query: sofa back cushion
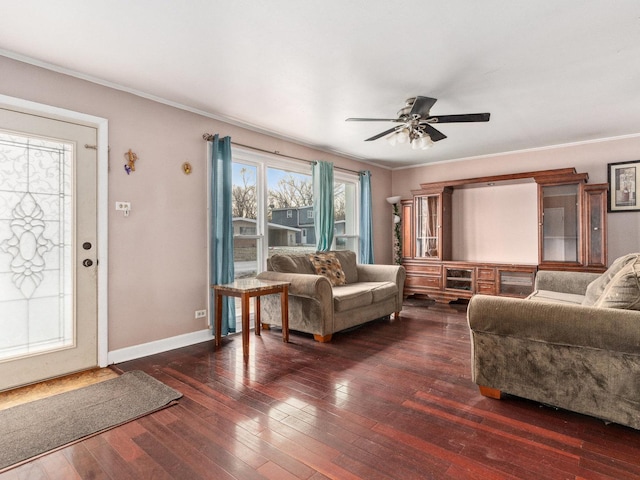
point(623, 291)
point(598, 286)
point(300, 263)
point(347, 259)
point(290, 263)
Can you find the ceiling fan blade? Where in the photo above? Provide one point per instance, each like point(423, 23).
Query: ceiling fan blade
point(469, 117)
point(422, 105)
point(380, 135)
point(373, 120)
point(436, 135)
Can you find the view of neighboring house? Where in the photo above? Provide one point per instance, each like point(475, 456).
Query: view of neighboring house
point(279, 235)
point(299, 217)
point(302, 219)
point(289, 228)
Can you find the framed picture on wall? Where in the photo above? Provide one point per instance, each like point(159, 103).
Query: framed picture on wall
point(623, 180)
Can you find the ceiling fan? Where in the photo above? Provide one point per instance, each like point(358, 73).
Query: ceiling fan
point(416, 121)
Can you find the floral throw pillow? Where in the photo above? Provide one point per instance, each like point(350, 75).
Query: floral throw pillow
point(327, 265)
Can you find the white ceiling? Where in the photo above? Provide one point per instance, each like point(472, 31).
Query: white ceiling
point(550, 72)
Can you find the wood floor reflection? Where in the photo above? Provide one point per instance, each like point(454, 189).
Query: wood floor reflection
point(389, 400)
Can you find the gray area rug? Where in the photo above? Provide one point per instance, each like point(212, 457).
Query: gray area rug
point(34, 428)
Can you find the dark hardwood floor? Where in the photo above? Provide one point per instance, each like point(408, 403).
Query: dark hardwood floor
point(389, 400)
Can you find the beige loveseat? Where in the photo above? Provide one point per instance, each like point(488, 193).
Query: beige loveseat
point(317, 307)
point(574, 343)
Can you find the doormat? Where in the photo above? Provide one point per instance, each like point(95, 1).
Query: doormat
point(35, 428)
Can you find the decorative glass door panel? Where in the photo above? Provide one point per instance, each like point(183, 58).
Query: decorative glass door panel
point(427, 227)
point(48, 260)
point(36, 228)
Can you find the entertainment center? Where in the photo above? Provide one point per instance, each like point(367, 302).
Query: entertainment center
point(572, 235)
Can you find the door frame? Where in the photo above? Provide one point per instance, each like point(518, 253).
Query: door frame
point(102, 191)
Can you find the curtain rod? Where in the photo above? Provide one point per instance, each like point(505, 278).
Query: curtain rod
point(208, 137)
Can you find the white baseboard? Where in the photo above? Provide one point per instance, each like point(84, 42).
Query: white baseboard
point(158, 346)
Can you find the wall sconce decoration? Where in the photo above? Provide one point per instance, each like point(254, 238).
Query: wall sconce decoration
point(397, 240)
point(186, 168)
point(131, 162)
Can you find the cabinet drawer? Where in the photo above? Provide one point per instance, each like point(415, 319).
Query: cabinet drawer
point(423, 269)
point(421, 281)
point(486, 288)
point(487, 274)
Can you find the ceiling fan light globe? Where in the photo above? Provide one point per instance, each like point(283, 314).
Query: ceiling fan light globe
point(426, 142)
point(403, 136)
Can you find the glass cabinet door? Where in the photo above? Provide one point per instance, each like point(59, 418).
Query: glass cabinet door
point(458, 278)
point(595, 200)
point(407, 229)
point(560, 223)
point(427, 226)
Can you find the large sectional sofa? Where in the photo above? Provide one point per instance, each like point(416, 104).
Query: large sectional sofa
point(320, 308)
point(574, 343)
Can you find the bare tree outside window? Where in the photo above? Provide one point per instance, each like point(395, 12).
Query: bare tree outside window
point(291, 191)
point(244, 195)
point(339, 201)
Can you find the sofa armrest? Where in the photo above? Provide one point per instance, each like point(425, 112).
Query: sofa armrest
point(563, 324)
point(564, 282)
point(302, 284)
point(381, 273)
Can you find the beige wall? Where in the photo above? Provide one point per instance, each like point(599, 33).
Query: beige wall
point(624, 228)
point(157, 255)
point(479, 214)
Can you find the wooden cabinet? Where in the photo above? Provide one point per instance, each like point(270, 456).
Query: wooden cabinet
point(572, 224)
point(445, 281)
point(486, 281)
point(422, 278)
point(572, 236)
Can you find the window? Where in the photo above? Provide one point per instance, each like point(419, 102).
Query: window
point(246, 244)
point(345, 213)
point(276, 195)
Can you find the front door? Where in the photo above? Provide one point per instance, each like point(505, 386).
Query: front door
point(48, 259)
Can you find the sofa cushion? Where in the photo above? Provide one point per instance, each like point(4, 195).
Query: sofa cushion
point(623, 291)
point(347, 297)
point(556, 297)
point(291, 264)
point(382, 290)
point(327, 265)
point(597, 287)
point(348, 261)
